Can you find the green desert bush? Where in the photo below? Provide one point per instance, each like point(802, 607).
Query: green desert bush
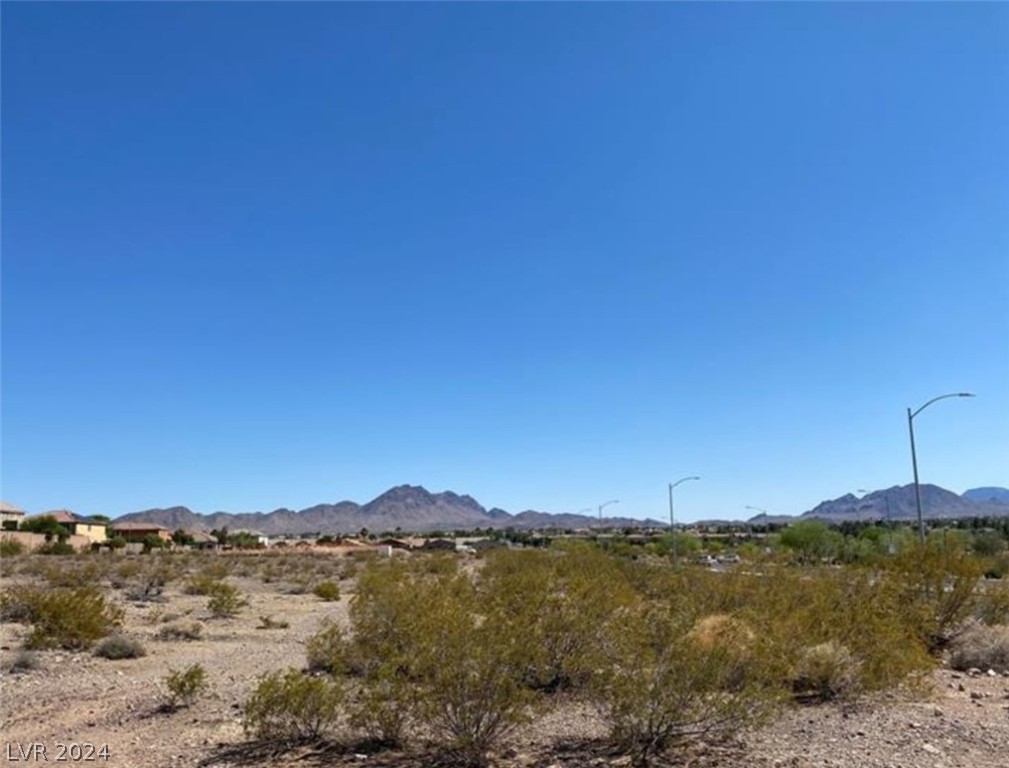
point(207, 579)
point(289, 706)
point(663, 688)
point(56, 548)
point(427, 649)
point(471, 693)
point(992, 603)
point(982, 648)
point(120, 647)
point(74, 572)
point(10, 547)
point(225, 601)
point(556, 601)
point(384, 706)
point(792, 610)
point(329, 650)
point(73, 619)
point(935, 591)
point(328, 591)
point(185, 686)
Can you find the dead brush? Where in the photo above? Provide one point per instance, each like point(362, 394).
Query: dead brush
point(982, 648)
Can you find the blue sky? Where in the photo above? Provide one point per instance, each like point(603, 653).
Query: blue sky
point(263, 255)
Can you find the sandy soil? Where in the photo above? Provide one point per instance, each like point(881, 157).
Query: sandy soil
point(962, 722)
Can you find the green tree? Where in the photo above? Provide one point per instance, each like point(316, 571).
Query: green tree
point(153, 541)
point(812, 541)
point(46, 525)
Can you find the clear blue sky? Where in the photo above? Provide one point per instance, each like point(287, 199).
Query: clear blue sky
point(263, 255)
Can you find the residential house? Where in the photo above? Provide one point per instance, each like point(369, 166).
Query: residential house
point(201, 539)
point(137, 532)
point(10, 516)
point(93, 530)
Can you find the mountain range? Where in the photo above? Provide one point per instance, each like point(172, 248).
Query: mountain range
point(410, 508)
point(413, 508)
point(898, 503)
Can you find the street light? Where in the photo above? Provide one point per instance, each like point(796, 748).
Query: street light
point(672, 518)
point(914, 457)
point(605, 504)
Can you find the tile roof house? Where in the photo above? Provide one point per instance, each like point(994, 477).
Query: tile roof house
point(76, 525)
point(139, 531)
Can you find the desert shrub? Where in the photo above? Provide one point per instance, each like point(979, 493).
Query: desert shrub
point(56, 548)
point(384, 706)
point(791, 610)
point(185, 686)
point(120, 647)
point(556, 601)
point(16, 604)
point(328, 649)
point(145, 591)
point(982, 648)
point(11, 547)
point(25, 661)
point(386, 614)
point(73, 619)
point(328, 591)
point(992, 603)
point(471, 693)
point(935, 591)
point(826, 671)
point(205, 581)
point(987, 544)
point(299, 584)
point(289, 706)
point(662, 688)
point(125, 571)
point(73, 572)
point(731, 638)
point(427, 649)
point(225, 601)
point(181, 630)
point(268, 622)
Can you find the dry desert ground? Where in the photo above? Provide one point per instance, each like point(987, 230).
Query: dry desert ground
point(959, 720)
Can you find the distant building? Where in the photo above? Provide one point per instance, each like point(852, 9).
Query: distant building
point(10, 516)
point(75, 525)
point(261, 538)
point(139, 531)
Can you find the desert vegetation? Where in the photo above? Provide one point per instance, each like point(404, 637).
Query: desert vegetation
point(458, 655)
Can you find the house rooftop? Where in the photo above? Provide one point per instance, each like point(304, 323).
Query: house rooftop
point(66, 516)
point(10, 509)
point(131, 526)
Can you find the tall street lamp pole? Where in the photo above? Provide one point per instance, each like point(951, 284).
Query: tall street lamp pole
point(672, 517)
point(605, 504)
point(914, 457)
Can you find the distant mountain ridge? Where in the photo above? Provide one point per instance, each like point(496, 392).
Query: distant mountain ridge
point(998, 495)
point(898, 503)
point(407, 507)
